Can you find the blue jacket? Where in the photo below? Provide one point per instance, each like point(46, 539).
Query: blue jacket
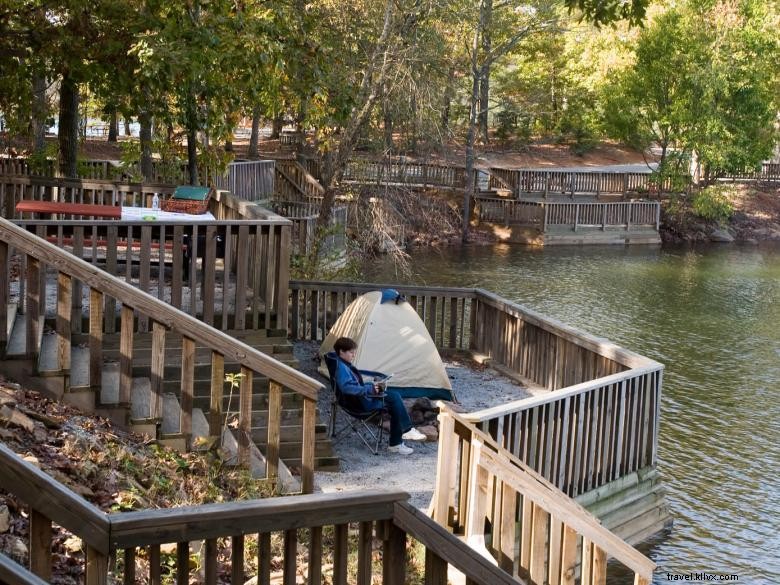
point(349, 381)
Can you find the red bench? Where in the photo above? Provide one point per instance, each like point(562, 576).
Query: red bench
point(90, 210)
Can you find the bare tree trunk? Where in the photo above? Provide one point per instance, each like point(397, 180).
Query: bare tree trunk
point(113, 126)
point(334, 161)
point(471, 136)
point(254, 138)
point(39, 110)
point(276, 125)
point(69, 127)
point(145, 136)
point(387, 123)
point(484, 89)
point(127, 127)
point(449, 92)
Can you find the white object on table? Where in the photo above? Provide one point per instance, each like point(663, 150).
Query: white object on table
point(139, 213)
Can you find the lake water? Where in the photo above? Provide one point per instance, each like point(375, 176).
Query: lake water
point(712, 316)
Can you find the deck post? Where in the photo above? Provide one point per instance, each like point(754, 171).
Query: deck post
point(576, 215)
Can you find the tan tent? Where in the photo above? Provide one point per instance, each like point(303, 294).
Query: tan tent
point(392, 339)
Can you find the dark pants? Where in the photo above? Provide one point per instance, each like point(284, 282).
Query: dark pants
point(399, 417)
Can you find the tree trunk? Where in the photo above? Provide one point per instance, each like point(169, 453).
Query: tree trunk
point(471, 136)
point(484, 89)
point(387, 123)
point(39, 108)
point(277, 125)
point(334, 161)
point(145, 136)
point(113, 126)
point(413, 107)
point(127, 127)
point(449, 91)
point(254, 138)
point(192, 153)
point(69, 127)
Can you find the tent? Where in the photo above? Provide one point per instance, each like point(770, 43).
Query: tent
point(392, 339)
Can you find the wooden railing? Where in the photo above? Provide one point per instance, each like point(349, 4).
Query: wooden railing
point(769, 172)
point(546, 215)
point(599, 420)
point(540, 182)
point(74, 275)
point(245, 254)
point(16, 188)
point(404, 173)
point(303, 215)
point(295, 183)
point(250, 180)
point(531, 529)
point(331, 527)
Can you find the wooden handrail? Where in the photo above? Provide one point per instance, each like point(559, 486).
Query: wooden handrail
point(557, 396)
point(12, 573)
point(485, 453)
point(598, 345)
point(53, 500)
point(452, 550)
point(161, 312)
point(190, 523)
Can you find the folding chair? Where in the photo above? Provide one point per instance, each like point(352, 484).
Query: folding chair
point(360, 421)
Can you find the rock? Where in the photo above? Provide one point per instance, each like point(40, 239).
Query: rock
point(423, 404)
point(5, 519)
point(32, 460)
point(16, 548)
point(430, 432)
point(721, 235)
point(417, 416)
point(12, 417)
point(752, 241)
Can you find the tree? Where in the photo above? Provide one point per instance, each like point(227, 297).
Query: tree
point(704, 82)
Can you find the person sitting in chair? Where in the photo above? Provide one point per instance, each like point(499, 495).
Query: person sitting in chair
point(367, 396)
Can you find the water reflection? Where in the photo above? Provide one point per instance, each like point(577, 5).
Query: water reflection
point(712, 316)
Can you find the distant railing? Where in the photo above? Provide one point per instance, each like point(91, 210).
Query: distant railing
point(599, 420)
point(303, 216)
point(575, 216)
point(32, 188)
point(260, 529)
point(226, 273)
point(502, 506)
point(539, 182)
point(295, 183)
point(74, 275)
point(250, 180)
point(404, 173)
point(770, 171)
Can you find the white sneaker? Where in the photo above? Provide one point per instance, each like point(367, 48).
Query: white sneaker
point(413, 435)
point(401, 449)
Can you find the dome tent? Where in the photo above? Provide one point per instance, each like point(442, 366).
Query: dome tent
point(392, 339)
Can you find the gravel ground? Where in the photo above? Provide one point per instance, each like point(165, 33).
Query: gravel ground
point(475, 389)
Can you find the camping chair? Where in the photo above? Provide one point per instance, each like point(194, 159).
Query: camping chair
point(360, 421)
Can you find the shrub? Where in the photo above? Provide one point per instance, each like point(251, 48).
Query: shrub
point(713, 203)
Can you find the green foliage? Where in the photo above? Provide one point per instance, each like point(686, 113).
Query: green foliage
point(713, 203)
point(42, 162)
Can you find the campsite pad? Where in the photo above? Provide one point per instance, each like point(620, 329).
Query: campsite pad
point(413, 473)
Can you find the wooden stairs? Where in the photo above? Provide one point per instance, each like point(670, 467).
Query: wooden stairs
point(41, 370)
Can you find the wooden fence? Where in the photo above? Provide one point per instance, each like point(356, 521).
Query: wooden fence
point(599, 420)
point(17, 188)
point(405, 173)
point(500, 505)
point(770, 171)
point(546, 215)
point(251, 180)
point(231, 273)
point(562, 182)
point(105, 292)
point(331, 528)
point(303, 216)
point(295, 183)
